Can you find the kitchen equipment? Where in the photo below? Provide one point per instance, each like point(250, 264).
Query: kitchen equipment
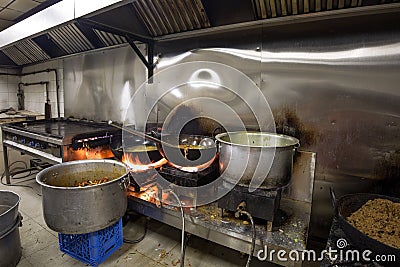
point(10, 245)
point(9, 202)
point(244, 155)
point(10, 220)
point(58, 140)
point(235, 146)
point(69, 209)
point(143, 151)
point(189, 151)
point(290, 229)
point(186, 152)
point(348, 204)
point(261, 203)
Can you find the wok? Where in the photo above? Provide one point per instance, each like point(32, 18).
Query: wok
point(347, 205)
point(182, 151)
point(188, 150)
point(144, 151)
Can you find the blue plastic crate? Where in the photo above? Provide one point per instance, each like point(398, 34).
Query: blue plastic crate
point(92, 248)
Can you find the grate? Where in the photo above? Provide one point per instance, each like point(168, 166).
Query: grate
point(71, 39)
point(166, 17)
point(25, 52)
point(278, 8)
point(110, 39)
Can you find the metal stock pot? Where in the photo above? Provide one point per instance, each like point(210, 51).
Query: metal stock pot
point(77, 210)
point(235, 146)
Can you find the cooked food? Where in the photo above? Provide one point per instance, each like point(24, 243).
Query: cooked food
point(191, 147)
point(380, 220)
point(186, 148)
point(91, 182)
point(140, 148)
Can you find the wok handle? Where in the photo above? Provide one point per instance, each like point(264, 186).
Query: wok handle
point(216, 131)
point(125, 182)
point(333, 197)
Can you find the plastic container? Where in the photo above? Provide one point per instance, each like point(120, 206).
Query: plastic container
point(92, 248)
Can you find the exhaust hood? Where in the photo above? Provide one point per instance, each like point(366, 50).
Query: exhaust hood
point(73, 26)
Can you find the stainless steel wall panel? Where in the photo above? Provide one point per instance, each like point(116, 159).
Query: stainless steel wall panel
point(99, 85)
point(333, 86)
point(337, 91)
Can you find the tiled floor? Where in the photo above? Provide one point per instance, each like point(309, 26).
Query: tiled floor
point(160, 247)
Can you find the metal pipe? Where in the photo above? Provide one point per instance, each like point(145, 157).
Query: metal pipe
point(20, 96)
point(253, 236)
point(183, 226)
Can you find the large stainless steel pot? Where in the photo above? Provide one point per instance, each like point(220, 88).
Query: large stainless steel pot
point(244, 156)
point(10, 221)
point(10, 245)
point(77, 210)
point(9, 202)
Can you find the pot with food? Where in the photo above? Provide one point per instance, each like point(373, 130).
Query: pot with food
point(83, 196)
point(185, 152)
point(244, 156)
point(371, 222)
point(138, 153)
point(189, 152)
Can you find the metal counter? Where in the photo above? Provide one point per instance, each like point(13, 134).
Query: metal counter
point(205, 221)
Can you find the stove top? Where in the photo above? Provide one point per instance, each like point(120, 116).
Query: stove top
point(190, 179)
point(65, 129)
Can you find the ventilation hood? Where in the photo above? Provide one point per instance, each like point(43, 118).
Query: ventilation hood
point(75, 26)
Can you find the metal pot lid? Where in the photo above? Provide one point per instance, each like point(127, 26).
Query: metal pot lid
point(257, 139)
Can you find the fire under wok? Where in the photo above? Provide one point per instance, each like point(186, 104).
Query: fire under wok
point(186, 152)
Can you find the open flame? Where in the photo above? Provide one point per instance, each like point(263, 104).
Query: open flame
point(150, 194)
point(88, 153)
point(194, 168)
point(136, 166)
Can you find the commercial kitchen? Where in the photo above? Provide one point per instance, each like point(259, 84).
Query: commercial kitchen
point(200, 133)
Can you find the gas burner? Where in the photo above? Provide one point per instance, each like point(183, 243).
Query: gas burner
point(240, 197)
point(190, 179)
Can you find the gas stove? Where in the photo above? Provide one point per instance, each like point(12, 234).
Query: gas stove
point(262, 203)
point(282, 215)
point(58, 140)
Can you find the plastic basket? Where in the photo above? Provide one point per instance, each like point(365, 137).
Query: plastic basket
point(92, 248)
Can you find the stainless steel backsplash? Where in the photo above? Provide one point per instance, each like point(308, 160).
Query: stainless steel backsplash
point(337, 92)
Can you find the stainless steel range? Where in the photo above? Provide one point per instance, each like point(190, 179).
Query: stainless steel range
point(58, 140)
point(288, 232)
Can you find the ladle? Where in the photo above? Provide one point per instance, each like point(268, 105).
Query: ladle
point(205, 142)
